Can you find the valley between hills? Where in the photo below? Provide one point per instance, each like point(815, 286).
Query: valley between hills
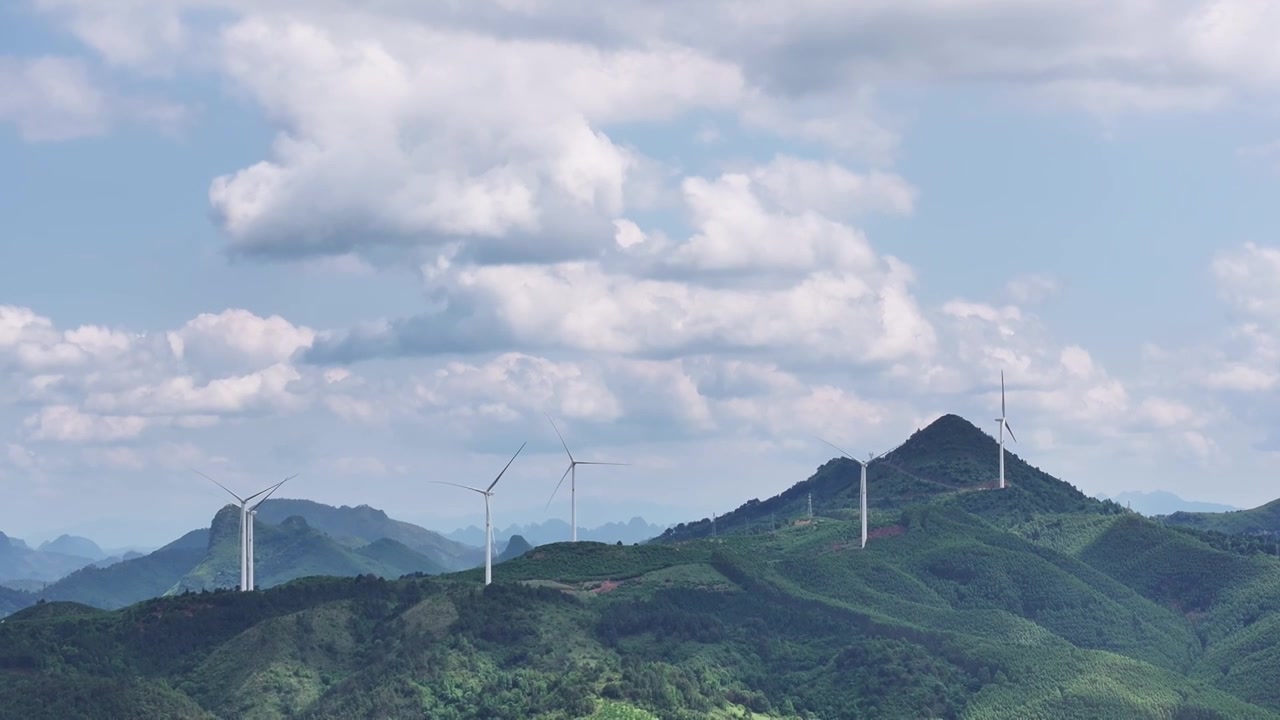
point(1031, 602)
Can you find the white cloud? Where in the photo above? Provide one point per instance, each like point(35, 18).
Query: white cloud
point(68, 424)
point(1032, 288)
point(238, 338)
point(1248, 279)
point(798, 186)
point(266, 389)
point(98, 384)
point(513, 146)
point(53, 98)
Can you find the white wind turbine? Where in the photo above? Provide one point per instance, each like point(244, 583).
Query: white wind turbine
point(862, 494)
point(572, 473)
point(488, 519)
point(1004, 425)
point(246, 533)
point(253, 514)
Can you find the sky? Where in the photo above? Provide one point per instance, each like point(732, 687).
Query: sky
point(377, 243)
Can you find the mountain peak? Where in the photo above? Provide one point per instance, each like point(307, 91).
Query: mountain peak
point(949, 433)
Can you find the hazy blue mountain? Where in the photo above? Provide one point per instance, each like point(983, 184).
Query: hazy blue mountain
point(74, 545)
point(359, 526)
point(112, 560)
point(556, 530)
point(11, 600)
point(1162, 502)
point(20, 562)
point(516, 547)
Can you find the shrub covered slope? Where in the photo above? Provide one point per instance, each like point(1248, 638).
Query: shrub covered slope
point(1033, 602)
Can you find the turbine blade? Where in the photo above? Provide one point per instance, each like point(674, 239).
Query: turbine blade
point(464, 487)
point(562, 477)
point(504, 469)
point(1002, 412)
point(215, 482)
point(591, 462)
point(842, 452)
point(562, 442)
point(272, 490)
point(1006, 427)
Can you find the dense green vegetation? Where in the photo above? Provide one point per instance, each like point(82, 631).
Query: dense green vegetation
point(1262, 520)
point(1032, 602)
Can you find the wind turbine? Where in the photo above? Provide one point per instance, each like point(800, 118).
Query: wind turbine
point(253, 513)
point(572, 473)
point(862, 493)
point(246, 533)
point(488, 522)
point(1004, 425)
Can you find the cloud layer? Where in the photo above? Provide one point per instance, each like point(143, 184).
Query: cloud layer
point(652, 222)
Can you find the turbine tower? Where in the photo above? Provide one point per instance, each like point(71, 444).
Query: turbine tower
point(862, 491)
point(253, 513)
point(572, 473)
point(488, 518)
point(246, 533)
point(1004, 425)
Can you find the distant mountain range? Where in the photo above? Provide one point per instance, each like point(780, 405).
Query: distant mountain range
point(556, 530)
point(18, 562)
point(1162, 502)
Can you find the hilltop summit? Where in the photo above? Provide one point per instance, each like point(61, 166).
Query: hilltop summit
point(951, 461)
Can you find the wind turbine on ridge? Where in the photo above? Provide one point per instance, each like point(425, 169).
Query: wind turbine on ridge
point(246, 533)
point(253, 514)
point(572, 473)
point(862, 494)
point(488, 522)
point(1004, 425)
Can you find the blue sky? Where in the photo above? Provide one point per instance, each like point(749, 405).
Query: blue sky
point(374, 245)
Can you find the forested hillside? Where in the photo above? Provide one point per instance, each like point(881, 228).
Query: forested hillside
point(1029, 603)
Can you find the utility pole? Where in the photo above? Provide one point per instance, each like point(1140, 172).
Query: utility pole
point(810, 506)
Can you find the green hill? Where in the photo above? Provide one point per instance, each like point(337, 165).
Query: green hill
point(291, 550)
point(209, 558)
point(1262, 520)
point(131, 581)
point(361, 525)
point(953, 618)
point(1030, 603)
point(950, 461)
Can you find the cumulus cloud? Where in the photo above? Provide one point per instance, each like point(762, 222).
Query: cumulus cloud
point(95, 384)
point(238, 338)
point(581, 306)
point(509, 151)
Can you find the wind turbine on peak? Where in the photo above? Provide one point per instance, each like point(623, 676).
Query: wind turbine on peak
point(572, 473)
point(1004, 425)
point(246, 527)
point(488, 518)
point(862, 494)
point(253, 514)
